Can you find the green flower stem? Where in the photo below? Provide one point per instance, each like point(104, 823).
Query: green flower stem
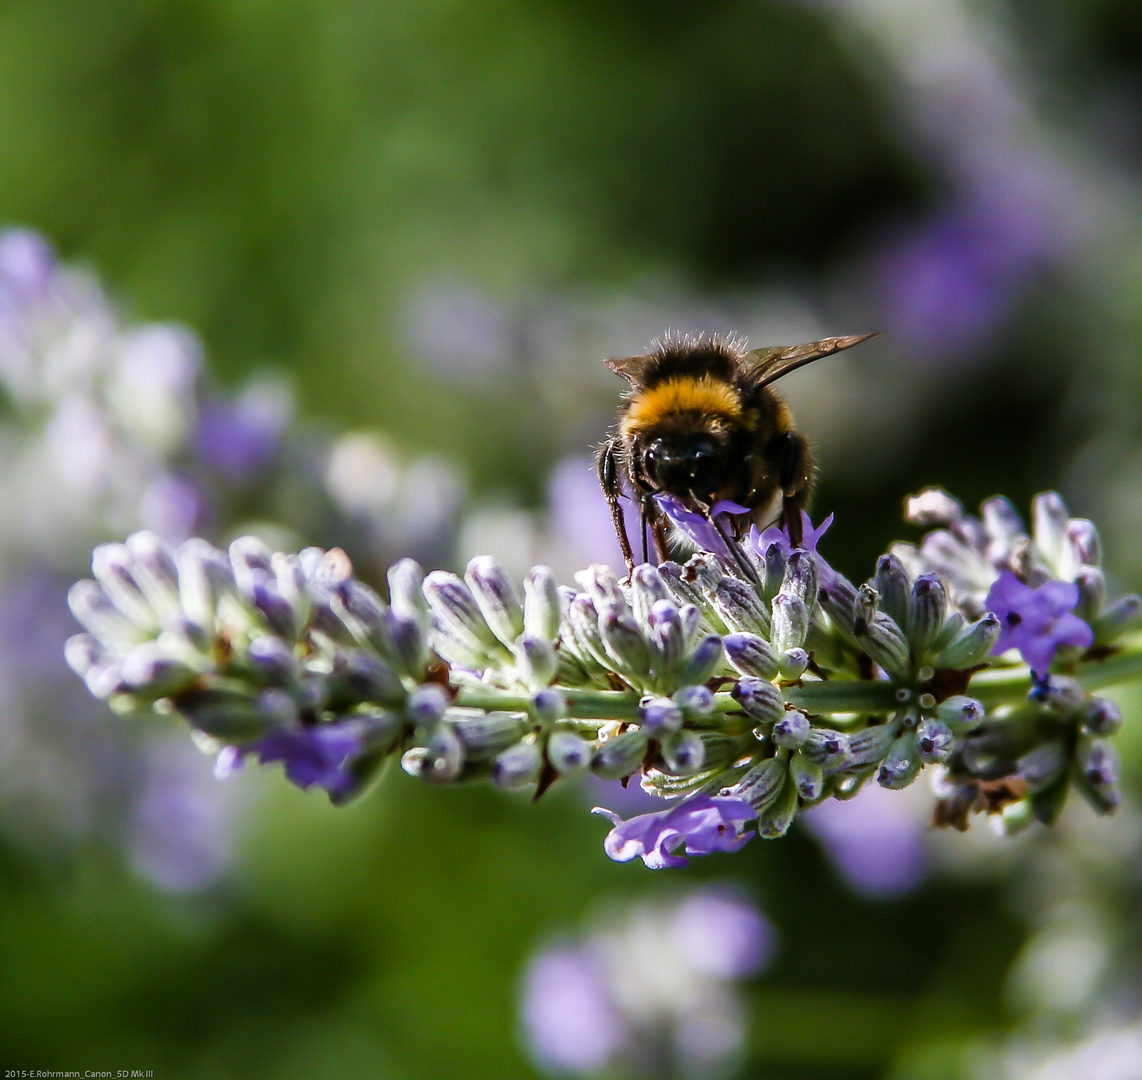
point(1008, 686)
point(992, 687)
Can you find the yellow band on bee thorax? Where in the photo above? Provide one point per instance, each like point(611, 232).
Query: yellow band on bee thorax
point(682, 394)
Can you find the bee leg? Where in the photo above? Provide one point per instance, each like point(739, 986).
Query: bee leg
point(608, 466)
point(658, 529)
point(796, 484)
point(645, 516)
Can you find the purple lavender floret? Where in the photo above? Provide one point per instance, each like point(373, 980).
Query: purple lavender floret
point(320, 756)
point(704, 824)
point(775, 534)
point(1037, 621)
point(699, 527)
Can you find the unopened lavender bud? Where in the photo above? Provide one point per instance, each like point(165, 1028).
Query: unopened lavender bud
point(457, 612)
point(775, 559)
point(667, 634)
point(573, 671)
point(961, 714)
point(927, 607)
point(426, 704)
point(103, 680)
point(277, 706)
point(251, 560)
point(828, 748)
point(703, 571)
point(406, 593)
point(932, 507)
point(226, 716)
point(759, 699)
point(1066, 696)
point(624, 642)
point(691, 616)
point(792, 730)
point(1092, 593)
point(839, 598)
point(364, 614)
point(901, 764)
point(1042, 766)
point(762, 784)
point(600, 583)
point(205, 577)
point(792, 663)
point(892, 588)
point(90, 605)
point(584, 620)
point(149, 670)
point(682, 591)
point(775, 819)
point(496, 596)
point(703, 662)
point(1049, 519)
point(646, 587)
point(952, 628)
point(366, 677)
point(484, 735)
point(541, 609)
point(444, 758)
point(274, 609)
point(272, 659)
point(1118, 619)
point(740, 607)
point(1102, 716)
point(536, 661)
point(695, 702)
point(1001, 519)
point(883, 641)
point(659, 716)
point(82, 652)
point(751, 655)
point(801, 577)
point(517, 767)
point(790, 622)
point(807, 777)
point(620, 756)
point(971, 646)
point(154, 569)
point(1097, 774)
point(381, 729)
point(567, 752)
point(1084, 542)
point(684, 752)
point(112, 566)
point(407, 641)
point(934, 740)
point(549, 705)
point(869, 746)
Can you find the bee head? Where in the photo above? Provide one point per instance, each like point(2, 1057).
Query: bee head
point(684, 462)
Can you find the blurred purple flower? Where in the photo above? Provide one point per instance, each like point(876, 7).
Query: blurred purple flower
point(1037, 621)
point(180, 834)
point(703, 823)
point(240, 436)
point(579, 516)
point(699, 527)
point(570, 1021)
point(27, 264)
point(951, 280)
point(876, 840)
point(723, 934)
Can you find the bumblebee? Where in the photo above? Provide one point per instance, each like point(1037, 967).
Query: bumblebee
point(700, 421)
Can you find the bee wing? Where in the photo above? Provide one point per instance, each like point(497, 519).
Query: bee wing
point(773, 363)
point(630, 368)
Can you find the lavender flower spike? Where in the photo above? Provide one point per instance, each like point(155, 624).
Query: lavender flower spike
point(704, 824)
point(1037, 621)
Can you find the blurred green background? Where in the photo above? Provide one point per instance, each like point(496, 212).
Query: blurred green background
point(438, 218)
